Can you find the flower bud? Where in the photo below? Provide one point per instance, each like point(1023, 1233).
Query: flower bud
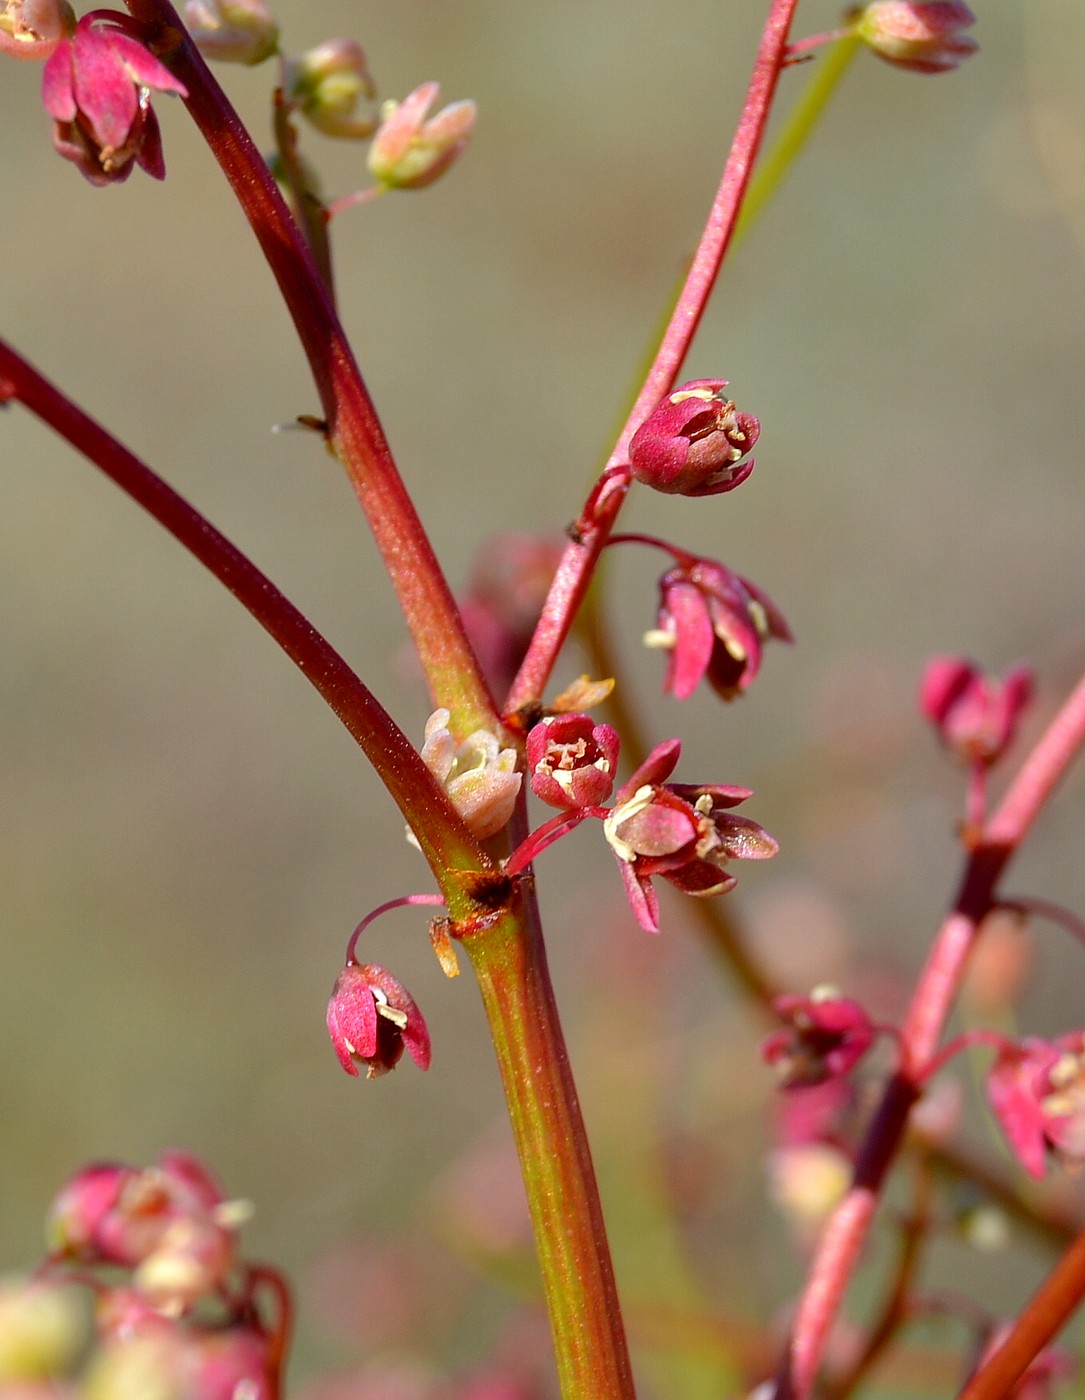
point(572, 761)
point(233, 31)
point(327, 84)
point(824, 1036)
point(33, 28)
point(923, 35)
point(409, 152)
point(371, 1018)
point(692, 443)
point(975, 715)
point(479, 775)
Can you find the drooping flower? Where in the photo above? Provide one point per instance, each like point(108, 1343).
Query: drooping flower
point(327, 84)
point(923, 35)
point(233, 31)
point(714, 624)
point(975, 715)
point(372, 1018)
point(823, 1037)
point(479, 775)
point(1037, 1092)
point(33, 29)
point(571, 760)
point(682, 832)
point(693, 442)
point(410, 150)
point(97, 87)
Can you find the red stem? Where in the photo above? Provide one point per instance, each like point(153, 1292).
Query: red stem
point(931, 1004)
point(445, 841)
point(354, 432)
point(578, 562)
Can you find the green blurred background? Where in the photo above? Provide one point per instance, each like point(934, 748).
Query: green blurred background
point(186, 835)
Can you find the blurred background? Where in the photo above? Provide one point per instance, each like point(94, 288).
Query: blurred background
point(187, 837)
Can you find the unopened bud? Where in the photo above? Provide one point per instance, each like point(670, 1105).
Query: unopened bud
point(923, 35)
point(409, 152)
point(692, 443)
point(233, 31)
point(328, 84)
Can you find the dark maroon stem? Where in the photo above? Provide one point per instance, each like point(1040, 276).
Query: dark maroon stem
point(931, 1004)
point(575, 570)
point(445, 841)
point(354, 432)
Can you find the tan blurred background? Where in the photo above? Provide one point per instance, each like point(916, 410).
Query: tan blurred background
point(187, 837)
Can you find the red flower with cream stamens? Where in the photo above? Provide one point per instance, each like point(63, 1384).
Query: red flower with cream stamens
point(571, 760)
point(1037, 1092)
point(372, 1018)
point(693, 442)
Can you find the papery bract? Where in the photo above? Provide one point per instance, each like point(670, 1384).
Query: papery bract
point(572, 760)
point(923, 35)
point(714, 624)
point(692, 443)
point(410, 151)
point(372, 1018)
point(682, 832)
point(824, 1036)
point(96, 86)
point(974, 714)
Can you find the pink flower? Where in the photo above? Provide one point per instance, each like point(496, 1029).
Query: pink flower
point(681, 832)
point(33, 29)
point(691, 444)
point(409, 150)
point(1037, 1093)
point(571, 760)
point(96, 86)
point(975, 715)
point(713, 623)
point(824, 1036)
point(923, 35)
point(372, 1018)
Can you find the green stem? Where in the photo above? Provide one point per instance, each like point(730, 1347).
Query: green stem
point(574, 1257)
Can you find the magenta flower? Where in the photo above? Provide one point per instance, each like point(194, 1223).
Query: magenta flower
point(96, 86)
point(923, 35)
point(975, 715)
point(1037, 1092)
point(824, 1036)
point(692, 443)
point(571, 760)
point(372, 1018)
point(714, 624)
point(682, 832)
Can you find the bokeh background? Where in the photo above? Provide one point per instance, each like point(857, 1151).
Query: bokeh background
point(187, 837)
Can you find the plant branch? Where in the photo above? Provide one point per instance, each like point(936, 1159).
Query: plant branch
point(446, 843)
point(353, 431)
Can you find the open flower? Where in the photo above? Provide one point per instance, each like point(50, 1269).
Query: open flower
point(372, 1018)
point(923, 35)
point(410, 150)
point(684, 833)
point(33, 29)
point(1037, 1091)
point(479, 776)
point(97, 87)
point(823, 1037)
point(571, 760)
point(693, 442)
point(714, 624)
point(974, 714)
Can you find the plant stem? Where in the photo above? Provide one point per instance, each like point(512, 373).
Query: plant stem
point(931, 1004)
point(578, 562)
point(447, 844)
point(354, 432)
point(578, 1278)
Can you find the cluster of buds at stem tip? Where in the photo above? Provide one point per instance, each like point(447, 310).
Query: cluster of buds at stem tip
point(479, 776)
point(693, 442)
point(372, 1019)
point(96, 85)
point(823, 1037)
point(233, 31)
point(411, 149)
point(922, 35)
point(713, 623)
point(1037, 1092)
point(328, 84)
point(975, 715)
point(682, 832)
point(33, 28)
